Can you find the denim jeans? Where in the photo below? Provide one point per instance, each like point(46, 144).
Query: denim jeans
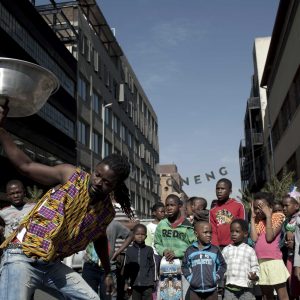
point(20, 275)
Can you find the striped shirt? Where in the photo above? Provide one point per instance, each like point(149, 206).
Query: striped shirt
point(122, 218)
point(62, 222)
point(240, 260)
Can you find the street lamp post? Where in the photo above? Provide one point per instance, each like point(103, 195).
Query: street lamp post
point(103, 127)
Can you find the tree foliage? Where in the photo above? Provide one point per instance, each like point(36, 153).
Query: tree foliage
point(33, 193)
point(280, 187)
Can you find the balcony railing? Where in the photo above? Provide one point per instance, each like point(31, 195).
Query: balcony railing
point(254, 103)
point(242, 148)
point(257, 138)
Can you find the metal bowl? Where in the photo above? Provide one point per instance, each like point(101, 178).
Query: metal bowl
point(25, 86)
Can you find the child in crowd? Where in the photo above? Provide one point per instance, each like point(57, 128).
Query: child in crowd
point(297, 249)
point(174, 234)
point(225, 211)
point(139, 266)
point(291, 211)
point(93, 272)
point(203, 265)
point(277, 207)
point(158, 212)
point(213, 203)
point(188, 210)
point(242, 265)
point(199, 210)
point(265, 232)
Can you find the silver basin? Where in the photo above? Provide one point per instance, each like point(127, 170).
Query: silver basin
point(26, 86)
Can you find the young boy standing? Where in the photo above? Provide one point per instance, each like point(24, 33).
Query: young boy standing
point(203, 265)
point(174, 234)
point(158, 212)
point(242, 264)
point(200, 212)
point(139, 266)
point(225, 211)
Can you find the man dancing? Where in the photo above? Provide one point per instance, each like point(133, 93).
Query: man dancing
point(69, 216)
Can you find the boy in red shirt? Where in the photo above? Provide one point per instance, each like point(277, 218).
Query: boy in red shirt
point(226, 210)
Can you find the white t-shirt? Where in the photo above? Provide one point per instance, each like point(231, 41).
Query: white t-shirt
point(12, 216)
point(151, 227)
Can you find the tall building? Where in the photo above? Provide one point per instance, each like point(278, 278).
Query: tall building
point(252, 149)
point(50, 135)
point(281, 77)
point(170, 182)
point(114, 114)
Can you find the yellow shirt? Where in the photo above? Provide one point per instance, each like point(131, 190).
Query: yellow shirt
point(62, 222)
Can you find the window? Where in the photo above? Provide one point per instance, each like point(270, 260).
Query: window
point(116, 125)
point(123, 132)
point(130, 140)
point(144, 208)
point(83, 133)
point(107, 148)
point(107, 117)
point(96, 144)
point(57, 119)
point(115, 89)
point(138, 198)
point(106, 76)
point(136, 147)
point(83, 88)
point(96, 103)
point(132, 197)
point(83, 44)
point(96, 57)
point(25, 40)
point(88, 51)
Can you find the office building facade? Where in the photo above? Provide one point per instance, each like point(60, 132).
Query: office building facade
point(252, 147)
point(114, 114)
point(50, 135)
point(281, 78)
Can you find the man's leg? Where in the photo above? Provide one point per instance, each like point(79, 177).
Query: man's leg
point(18, 276)
point(69, 282)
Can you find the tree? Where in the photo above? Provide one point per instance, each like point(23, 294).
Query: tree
point(246, 199)
point(34, 193)
point(280, 187)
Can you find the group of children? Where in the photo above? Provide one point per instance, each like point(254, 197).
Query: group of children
point(219, 256)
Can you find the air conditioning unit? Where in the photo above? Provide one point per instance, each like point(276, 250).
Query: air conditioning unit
point(121, 97)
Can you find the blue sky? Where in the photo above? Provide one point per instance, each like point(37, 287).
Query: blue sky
point(194, 61)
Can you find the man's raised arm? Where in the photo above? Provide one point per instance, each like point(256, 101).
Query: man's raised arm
point(43, 174)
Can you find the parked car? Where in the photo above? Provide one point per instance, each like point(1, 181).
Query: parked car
point(75, 261)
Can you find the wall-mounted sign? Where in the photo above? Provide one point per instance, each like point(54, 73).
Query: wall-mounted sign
point(198, 179)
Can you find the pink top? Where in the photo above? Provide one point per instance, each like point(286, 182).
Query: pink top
point(264, 249)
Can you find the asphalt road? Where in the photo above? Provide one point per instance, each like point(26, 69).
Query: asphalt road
point(41, 295)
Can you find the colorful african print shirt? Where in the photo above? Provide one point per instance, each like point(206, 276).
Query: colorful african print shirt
point(63, 223)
